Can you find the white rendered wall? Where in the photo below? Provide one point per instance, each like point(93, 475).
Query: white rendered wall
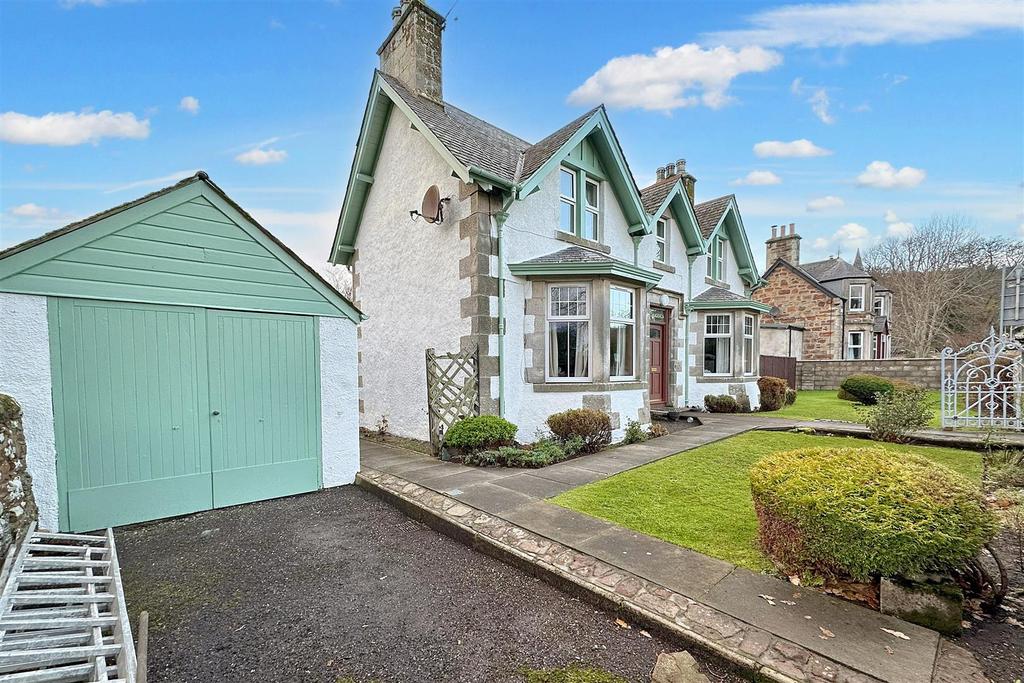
point(25, 376)
point(339, 401)
point(535, 407)
point(409, 284)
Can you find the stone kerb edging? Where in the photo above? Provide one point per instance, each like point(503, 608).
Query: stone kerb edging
point(736, 643)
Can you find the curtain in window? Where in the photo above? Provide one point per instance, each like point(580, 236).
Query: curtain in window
point(621, 351)
point(569, 349)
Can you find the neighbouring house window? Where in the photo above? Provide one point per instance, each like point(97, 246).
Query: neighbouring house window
point(567, 189)
point(855, 346)
point(719, 259)
point(718, 344)
point(661, 239)
point(879, 306)
point(856, 297)
point(622, 317)
point(591, 212)
point(568, 344)
point(748, 345)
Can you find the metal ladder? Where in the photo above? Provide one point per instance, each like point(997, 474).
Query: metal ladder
point(62, 611)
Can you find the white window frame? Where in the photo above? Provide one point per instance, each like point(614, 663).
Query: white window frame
point(850, 346)
point(717, 335)
point(549, 318)
point(720, 259)
point(663, 224)
point(592, 209)
point(878, 306)
point(630, 321)
point(862, 289)
point(753, 365)
point(711, 260)
point(569, 200)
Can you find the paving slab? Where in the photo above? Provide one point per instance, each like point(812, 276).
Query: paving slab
point(569, 474)
point(492, 498)
point(460, 478)
point(557, 523)
point(858, 631)
point(427, 468)
point(532, 485)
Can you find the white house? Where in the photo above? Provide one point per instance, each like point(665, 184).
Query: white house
point(577, 287)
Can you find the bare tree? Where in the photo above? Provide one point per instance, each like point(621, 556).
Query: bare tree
point(338, 277)
point(945, 282)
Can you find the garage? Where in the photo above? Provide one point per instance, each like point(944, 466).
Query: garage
point(170, 356)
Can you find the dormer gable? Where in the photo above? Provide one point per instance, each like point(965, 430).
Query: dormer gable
point(668, 198)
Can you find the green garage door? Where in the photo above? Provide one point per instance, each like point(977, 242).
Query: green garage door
point(165, 410)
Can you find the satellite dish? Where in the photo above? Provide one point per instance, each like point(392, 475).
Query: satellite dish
point(431, 208)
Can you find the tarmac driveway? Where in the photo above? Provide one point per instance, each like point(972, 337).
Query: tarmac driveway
point(338, 584)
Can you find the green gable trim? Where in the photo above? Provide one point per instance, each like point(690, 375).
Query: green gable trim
point(747, 304)
point(189, 245)
point(730, 226)
point(618, 269)
point(677, 203)
point(601, 141)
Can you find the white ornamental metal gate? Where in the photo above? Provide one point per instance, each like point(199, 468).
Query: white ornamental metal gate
point(983, 384)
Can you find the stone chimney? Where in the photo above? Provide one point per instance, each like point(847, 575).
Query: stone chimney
point(412, 51)
point(678, 170)
point(784, 244)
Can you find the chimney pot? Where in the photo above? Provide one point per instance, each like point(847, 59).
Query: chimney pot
point(774, 231)
point(792, 228)
point(681, 166)
point(670, 170)
point(661, 173)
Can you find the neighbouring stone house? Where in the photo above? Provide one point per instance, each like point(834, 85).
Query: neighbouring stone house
point(577, 287)
point(835, 309)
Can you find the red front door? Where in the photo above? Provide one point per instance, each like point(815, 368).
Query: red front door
point(659, 355)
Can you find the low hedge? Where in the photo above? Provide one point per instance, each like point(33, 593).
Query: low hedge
point(773, 392)
point(865, 512)
point(480, 432)
point(721, 404)
point(863, 388)
point(590, 430)
point(541, 454)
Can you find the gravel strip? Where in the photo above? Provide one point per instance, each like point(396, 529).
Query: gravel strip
point(338, 584)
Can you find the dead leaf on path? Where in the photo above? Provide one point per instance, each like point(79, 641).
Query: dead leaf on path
point(825, 633)
point(787, 602)
point(807, 616)
point(899, 634)
point(1013, 622)
point(966, 624)
point(795, 580)
point(889, 650)
point(769, 599)
point(621, 624)
point(645, 634)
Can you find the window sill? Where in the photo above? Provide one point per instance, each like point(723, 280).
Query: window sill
point(581, 242)
point(716, 283)
point(658, 265)
point(718, 379)
point(588, 387)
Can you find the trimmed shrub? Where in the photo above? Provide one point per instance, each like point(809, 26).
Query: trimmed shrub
point(634, 432)
point(897, 414)
point(865, 388)
point(656, 429)
point(1005, 469)
point(790, 396)
point(773, 392)
point(480, 432)
point(592, 427)
point(721, 404)
point(865, 512)
point(844, 395)
point(540, 454)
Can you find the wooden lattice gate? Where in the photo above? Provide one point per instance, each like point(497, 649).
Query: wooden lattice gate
point(453, 390)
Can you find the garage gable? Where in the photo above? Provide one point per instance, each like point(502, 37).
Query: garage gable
point(187, 244)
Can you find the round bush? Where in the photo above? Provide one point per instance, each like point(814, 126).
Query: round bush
point(480, 432)
point(864, 387)
point(721, 404)
point(773, 392)
point(864, 512)
point(590, 430)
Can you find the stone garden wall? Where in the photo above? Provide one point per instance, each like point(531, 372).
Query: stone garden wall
point(17, 504)
point(829, 374)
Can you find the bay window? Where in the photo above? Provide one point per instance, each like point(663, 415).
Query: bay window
point(622, 321)
point(855, 346)
point(661, 240)
point(857, 298)
point(567, 205)
point(568, 334)
point(748, 344)
point(718, 344)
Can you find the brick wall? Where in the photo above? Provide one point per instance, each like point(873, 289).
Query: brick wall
point(17, 504)
point(801, 303)
point(829, 374)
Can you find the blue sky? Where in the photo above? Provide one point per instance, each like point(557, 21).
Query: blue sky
point(852, 119)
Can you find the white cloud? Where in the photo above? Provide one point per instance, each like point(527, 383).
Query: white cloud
point(895, 227)
point(163, 180)
point(893, 80)
point(848, 237)
point(820, 104)
point(882, 174)
point(825, 203)
point(189, 104)
point(259, 156)
point(31, 210)
point(758, 178)
point(795, 148)
point(872, 22)
point(670, 78)
point(70, 128)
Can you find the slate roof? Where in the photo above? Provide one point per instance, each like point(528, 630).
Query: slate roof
point(654, 195)
point(880, 323)
point(573, 255)
point(539, 153)
point(719, 294)
point(833, 269)
point(709, 213)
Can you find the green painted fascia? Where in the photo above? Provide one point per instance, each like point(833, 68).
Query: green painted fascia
point(613, 161)
point(749, 304)
point(744, 255)
point(617, 269)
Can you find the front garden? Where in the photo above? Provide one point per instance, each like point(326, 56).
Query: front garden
point(825, 404)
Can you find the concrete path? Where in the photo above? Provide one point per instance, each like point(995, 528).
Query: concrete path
point(518, 496)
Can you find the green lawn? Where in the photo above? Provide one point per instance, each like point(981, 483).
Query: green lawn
point(826, 405)
point(700, 499)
